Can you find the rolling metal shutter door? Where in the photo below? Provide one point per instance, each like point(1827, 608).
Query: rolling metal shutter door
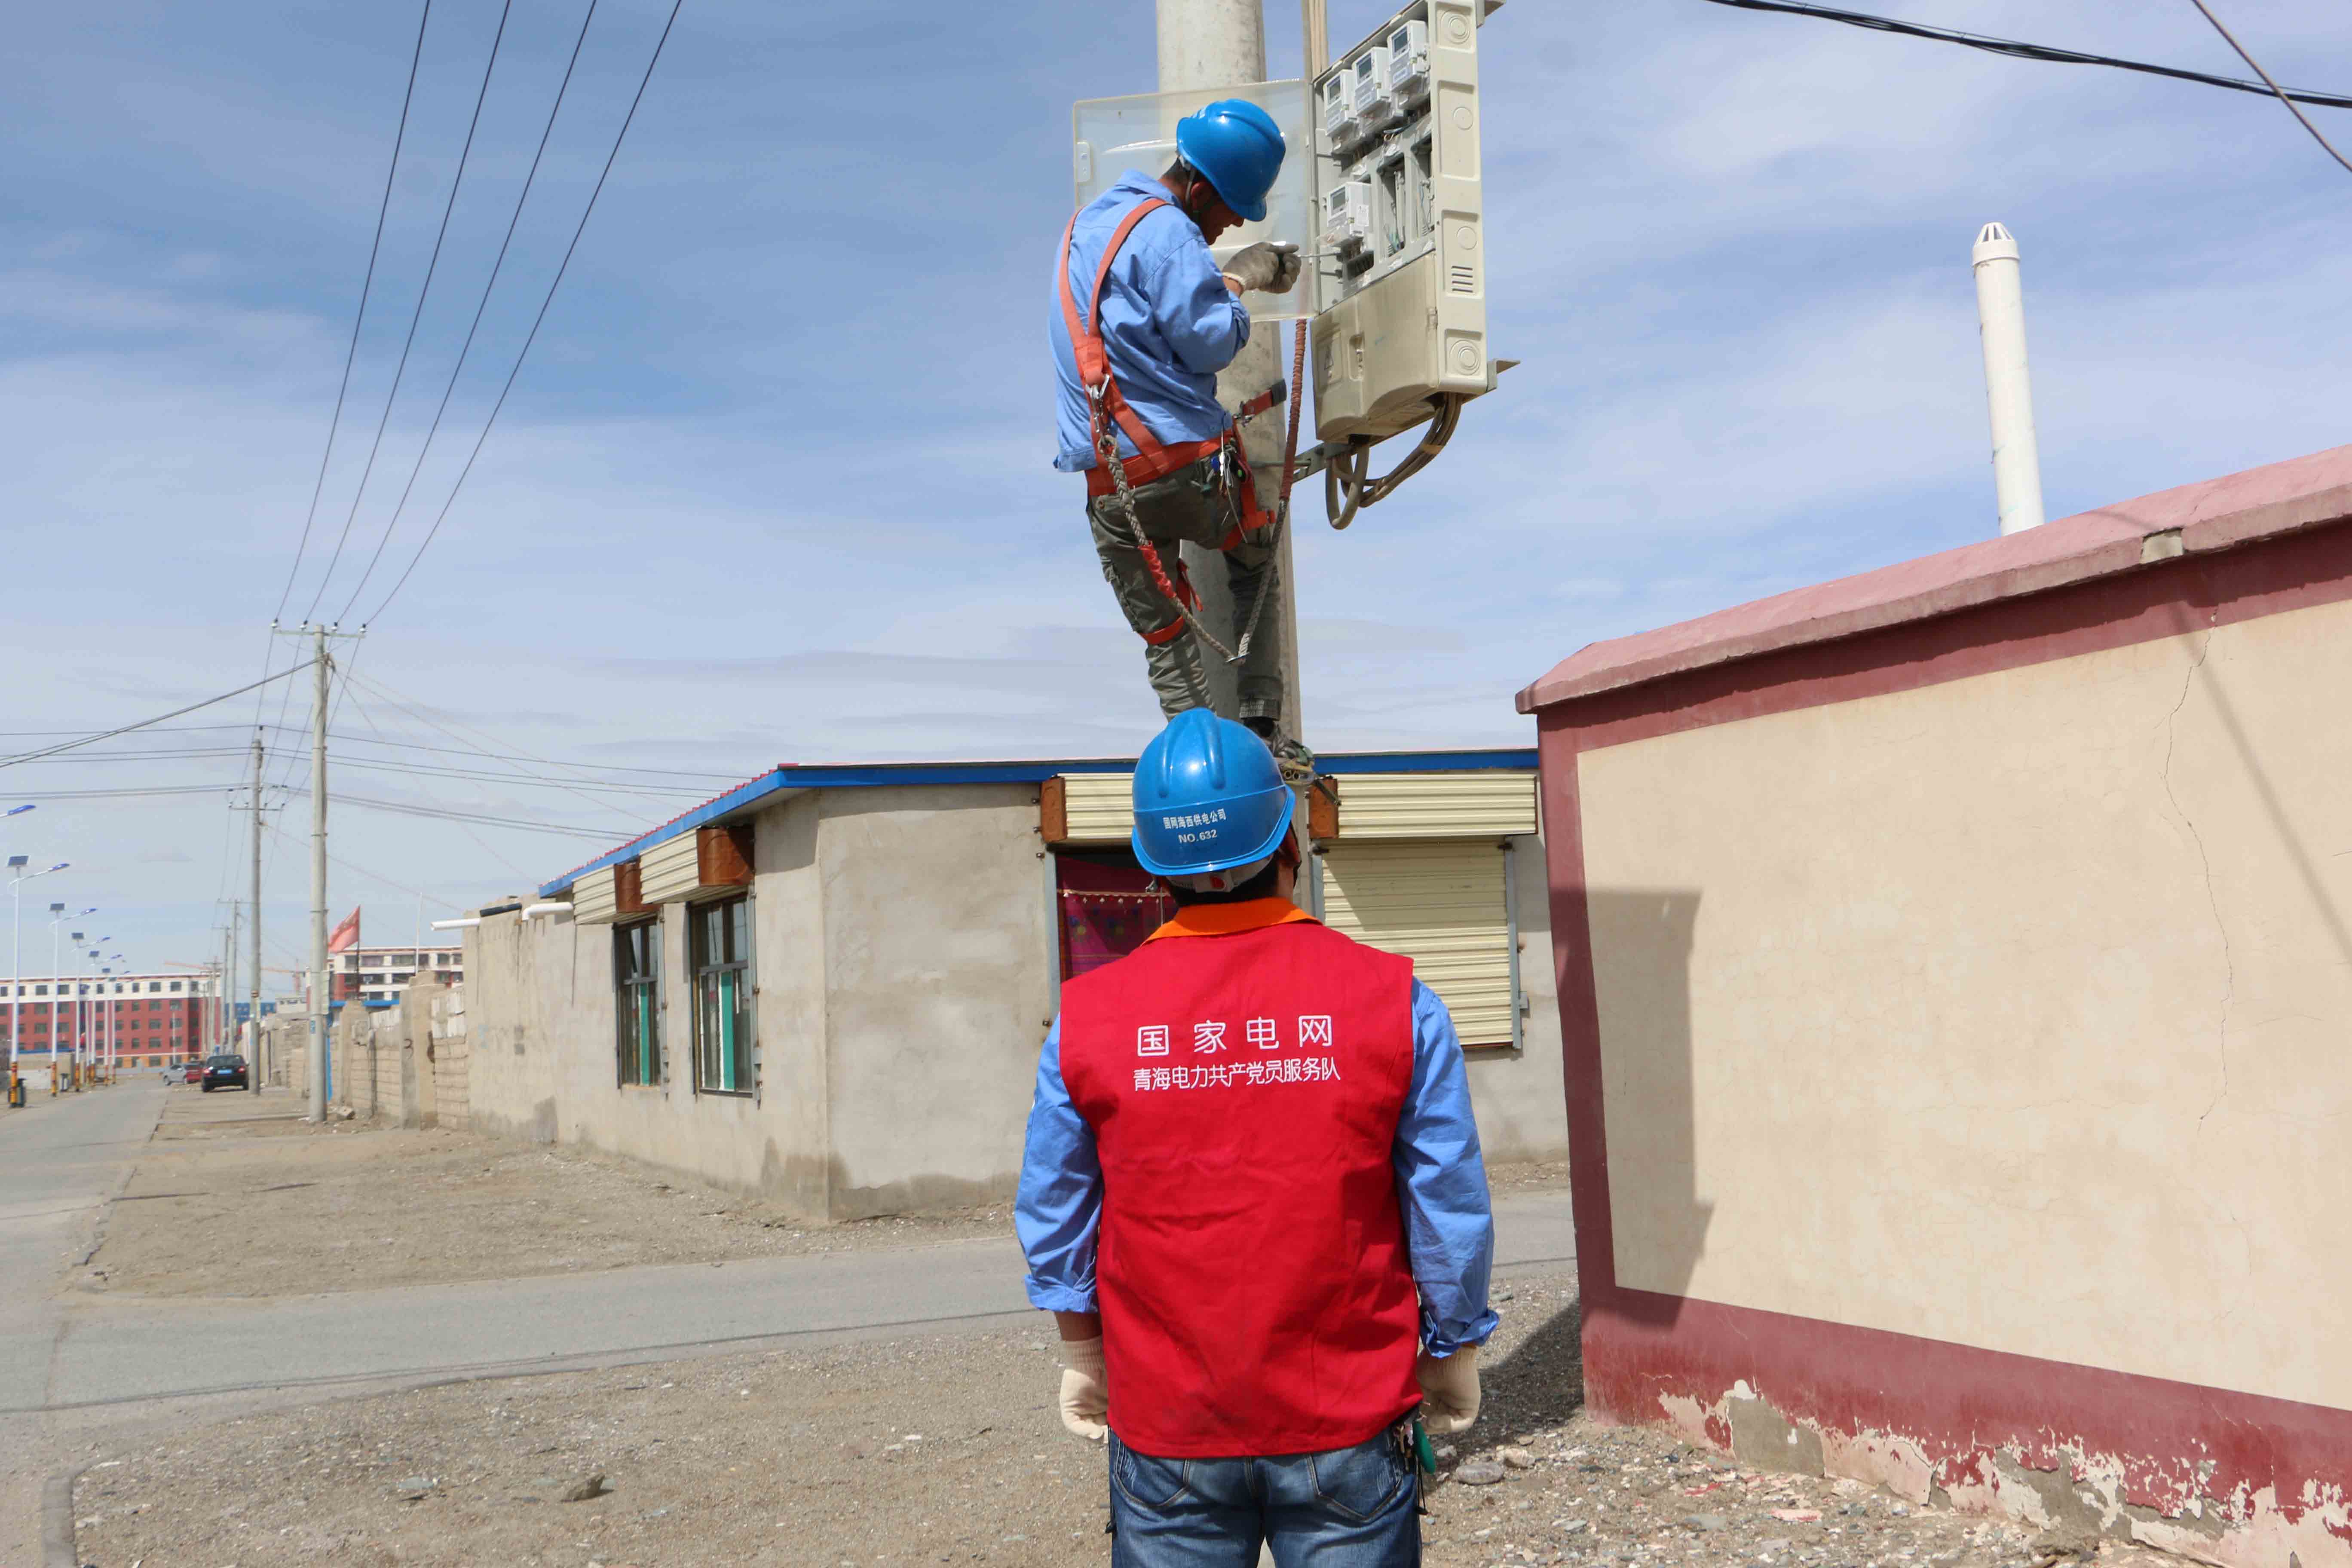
point(1442, 903)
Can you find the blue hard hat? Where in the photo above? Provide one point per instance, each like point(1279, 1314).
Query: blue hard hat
point(1238, 149)
point(1208, 797)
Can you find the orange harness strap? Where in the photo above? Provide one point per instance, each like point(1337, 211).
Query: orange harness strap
point(1154, 458)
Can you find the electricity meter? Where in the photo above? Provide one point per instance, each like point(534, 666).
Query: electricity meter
point(1346, 216)
point(1409, 63)
point(1373, 106)
point(1339, 110)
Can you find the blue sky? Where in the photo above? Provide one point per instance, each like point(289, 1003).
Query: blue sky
point(774, 484)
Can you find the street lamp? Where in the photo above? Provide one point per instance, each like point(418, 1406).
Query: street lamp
point(114, 1027)
point(58, 918)
point(17, 878)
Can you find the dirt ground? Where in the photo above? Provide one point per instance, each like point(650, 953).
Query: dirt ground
point(237, 1196)
point(928, 1450)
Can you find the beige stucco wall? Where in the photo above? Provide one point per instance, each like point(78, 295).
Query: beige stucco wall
point(542, 1025)
point(2009, 1011)
point(939, 968)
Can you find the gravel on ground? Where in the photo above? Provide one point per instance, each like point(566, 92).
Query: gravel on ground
point(940, 1449)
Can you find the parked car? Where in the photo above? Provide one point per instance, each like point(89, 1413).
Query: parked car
point(226, 1072)
point(193, 1073)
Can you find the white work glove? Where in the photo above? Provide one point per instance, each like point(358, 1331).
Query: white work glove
point(1268, 266)
point(1449, 1389)
point(1085, 1397)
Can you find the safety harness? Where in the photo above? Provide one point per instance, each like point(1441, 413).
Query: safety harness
point(1110, 412)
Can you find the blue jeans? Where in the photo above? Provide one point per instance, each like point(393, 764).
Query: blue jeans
point(1346, 1508)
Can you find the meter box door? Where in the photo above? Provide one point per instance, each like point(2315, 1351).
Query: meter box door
point(1111, 136)
point(1402, 314)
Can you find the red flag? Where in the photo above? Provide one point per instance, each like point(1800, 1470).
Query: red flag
point(346, 934)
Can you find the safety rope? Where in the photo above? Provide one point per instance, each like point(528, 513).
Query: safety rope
point(1183, 602)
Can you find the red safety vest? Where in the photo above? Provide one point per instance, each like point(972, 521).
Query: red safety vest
point(1244, 1085)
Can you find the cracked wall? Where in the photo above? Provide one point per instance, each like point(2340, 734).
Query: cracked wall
point(2050, 1479)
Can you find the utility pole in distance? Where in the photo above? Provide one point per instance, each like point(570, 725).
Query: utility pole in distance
point(253, 982)
point(1213, 44)
point(322, 667)
point(318, 1000)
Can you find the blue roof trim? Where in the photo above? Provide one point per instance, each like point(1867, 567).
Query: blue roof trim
point(869, 776)
point(1424, 761)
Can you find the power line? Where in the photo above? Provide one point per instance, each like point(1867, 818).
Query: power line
point(126, 729)
point(352, 354)
point(467, 347)
point(278, 832)
point(417, 315)
point(378, 690)
point(602, 836)
point(533, 337)
point(2015, 50)
point(2283, 96)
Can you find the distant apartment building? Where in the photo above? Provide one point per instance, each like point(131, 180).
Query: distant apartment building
point(382, 974)
point(147, 1020)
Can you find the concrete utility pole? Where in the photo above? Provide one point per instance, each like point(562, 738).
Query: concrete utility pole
point(1213, 44)
point(253, 982)
point(2008, 392)
point(319, 1031)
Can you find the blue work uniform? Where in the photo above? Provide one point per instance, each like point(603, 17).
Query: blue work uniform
point(1168, 321)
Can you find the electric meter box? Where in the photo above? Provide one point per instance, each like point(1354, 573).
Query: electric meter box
point(1402, 318)
point(1347, 218)
point(1113, 135)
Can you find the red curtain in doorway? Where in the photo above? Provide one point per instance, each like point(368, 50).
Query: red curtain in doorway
point(1107, 911)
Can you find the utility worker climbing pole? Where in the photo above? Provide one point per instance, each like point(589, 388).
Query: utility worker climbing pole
point(1253, 1198)
point(1142, 321)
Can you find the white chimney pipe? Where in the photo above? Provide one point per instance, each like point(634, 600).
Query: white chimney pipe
point(2008, 390)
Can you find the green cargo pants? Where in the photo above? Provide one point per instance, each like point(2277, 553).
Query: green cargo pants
point(1191, 506)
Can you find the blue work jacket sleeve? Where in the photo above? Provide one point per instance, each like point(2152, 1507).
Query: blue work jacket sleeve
point(1449, 1219)
point(1202, 321)
point(1058, 1207)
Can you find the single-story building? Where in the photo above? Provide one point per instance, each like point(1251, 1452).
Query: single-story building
point(1956, 966)
point(828, 985)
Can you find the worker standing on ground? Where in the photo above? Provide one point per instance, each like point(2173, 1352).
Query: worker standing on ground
point(1253, 1200)
point(1142, 321)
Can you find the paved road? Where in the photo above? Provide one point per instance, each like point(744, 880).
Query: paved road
point(60, 1161)
point(118, 1351)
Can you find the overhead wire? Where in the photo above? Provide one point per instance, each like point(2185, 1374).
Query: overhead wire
point(602, 835)
point(351, 353)
point(532, 336)
point(417, 316)
point(126, 729)
point(480, 307)
point(479, 842)
point(377, 875)
point(2014, 49)
point(2283, 96)
point(380, 691)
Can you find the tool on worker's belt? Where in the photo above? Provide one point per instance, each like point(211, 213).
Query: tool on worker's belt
point(1412, 1440)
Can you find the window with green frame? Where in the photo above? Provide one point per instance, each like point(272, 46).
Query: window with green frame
point(636, 997)
point(721, 957)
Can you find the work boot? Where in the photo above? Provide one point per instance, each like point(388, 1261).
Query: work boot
point(1296, 762)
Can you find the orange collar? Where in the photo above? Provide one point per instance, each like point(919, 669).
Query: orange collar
point(1225, 920)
